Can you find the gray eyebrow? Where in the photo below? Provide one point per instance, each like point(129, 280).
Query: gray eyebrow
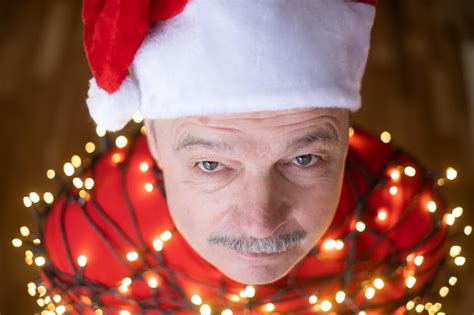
point(326, 136)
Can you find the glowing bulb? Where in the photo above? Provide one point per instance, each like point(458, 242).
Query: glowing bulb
point(165, 236)
point(149, 187)
point(234, 298)
point(48, 198)
point(453, 280)
point(61, 309)
point(269, 307)
point(410, 282)
point(339, 244)
point(329, 244)
point(340, 297)
point(443, 292)
point(351, 132)
point(393, 190)
point(153, 282)
point(132, 256)
point(449, 218)
point(386, 137)
point(40, 261)
point(144, 167)
point(143, 130)
point(77, 182)
point(82, 261)
point(455, 251)
point(441, 181)
point(431, 205)
point(27, 202)
point(36, 241)
point(419, 260)
point(250, 291)
point(196, 299)
point(121, 142)
point(410, 171)
point(50, 174)
point(16, 242)
point(227, 312)
point(101, 131)
point(326, 306)
point(467, 230)
point(34, 197)
point(379, 283)
point(25, 231)
point(90, 147)
point(126, 281)
point(76, 161)
point(395, 174)
point(362, 313)
point(83, 194)
point(369, 293)
point(116, 158)
point(419, 308)
point(205, 309)
point(360, 226)
point(460, 260)
point(89, 183)
point(158, 245)
point(68, 169)
point(457, 212)
point(451, 173)
point(57, 298)
point(410, 305)
point(137, 117)
point(313, 299)
point(124, 312)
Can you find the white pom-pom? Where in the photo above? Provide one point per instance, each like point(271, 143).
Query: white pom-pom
point(113, 111)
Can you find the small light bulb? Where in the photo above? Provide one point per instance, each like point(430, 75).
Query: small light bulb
point(379, 283)
point(158, 245)
point(382, 215)
point(137, 117)
point(57, 298)
point(326, 306)
point(419, 260)
point(443, 292)
point(132, 256)
point(395, 174)
point(121, 142)
point(144, 167)
point(149, 187)
point(101, 131)
point(269, 307)
point(360, 226)
point(50, 174)
point(196, 299)
point(40, 261)
point(410, 305)
point(90, 147)
point(34, 197)
point(77, 182)
point(329, 244)
point(61, 309)
point(457, 212)
point(410, 282)
point(467, 230)
point(68, 169)
point(393, 190)
point(453, 280)
point(205, 309)
point(48, 198)
point(16, 242)
point(89, 183)
point(351, 132)
point(166, 236)
point(227, 312)
point(153, 282)
point(250, 291)
point(124, 312)
point(339, 244)
point(27, 202)
point(455, 251)
point(82, 261)
point(126, 281)
point(369, 293)
point(451, 173)
point(460, 260)
point(431, 205)
point(313, 299)
point(410, 171)
point(116, 158)
point(76, 161)
point(25, 231)
point(386, 137)
point(340, 297)
point(449, 218)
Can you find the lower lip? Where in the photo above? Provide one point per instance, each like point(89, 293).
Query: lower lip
point(257, 255)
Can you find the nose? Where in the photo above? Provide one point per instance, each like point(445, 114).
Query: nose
point(262, 208)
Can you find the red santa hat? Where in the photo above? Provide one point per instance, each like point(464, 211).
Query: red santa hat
point(177, 58)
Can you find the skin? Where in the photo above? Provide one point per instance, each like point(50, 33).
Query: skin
point(255, 188)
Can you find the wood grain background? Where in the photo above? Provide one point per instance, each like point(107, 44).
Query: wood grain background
point(415, 87)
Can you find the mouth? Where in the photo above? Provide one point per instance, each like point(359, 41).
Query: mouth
point(258, 255)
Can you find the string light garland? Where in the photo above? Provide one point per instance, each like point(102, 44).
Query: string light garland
point(106, 244)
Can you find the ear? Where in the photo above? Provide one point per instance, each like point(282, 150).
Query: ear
point(151, 140)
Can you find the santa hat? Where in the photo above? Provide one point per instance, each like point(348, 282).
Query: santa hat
point(178, 58)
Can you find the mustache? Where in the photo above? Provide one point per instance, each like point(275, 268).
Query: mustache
point(269, 245)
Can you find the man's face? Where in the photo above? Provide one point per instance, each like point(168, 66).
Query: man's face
point(252, 193)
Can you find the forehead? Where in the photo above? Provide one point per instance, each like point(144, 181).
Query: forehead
point(257, 127)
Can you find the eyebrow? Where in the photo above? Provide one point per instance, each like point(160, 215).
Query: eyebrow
point(325, 136)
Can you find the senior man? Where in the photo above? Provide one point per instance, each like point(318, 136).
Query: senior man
point(246, 106)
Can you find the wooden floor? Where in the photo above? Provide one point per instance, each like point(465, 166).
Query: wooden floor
point(414, 87)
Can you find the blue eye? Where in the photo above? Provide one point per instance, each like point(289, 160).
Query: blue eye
point(307, 160)
point(209, 166)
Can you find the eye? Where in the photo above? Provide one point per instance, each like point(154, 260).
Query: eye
point(209, 166)
point(306, 160)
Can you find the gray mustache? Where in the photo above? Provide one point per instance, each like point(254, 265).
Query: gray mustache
point(270, 245)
